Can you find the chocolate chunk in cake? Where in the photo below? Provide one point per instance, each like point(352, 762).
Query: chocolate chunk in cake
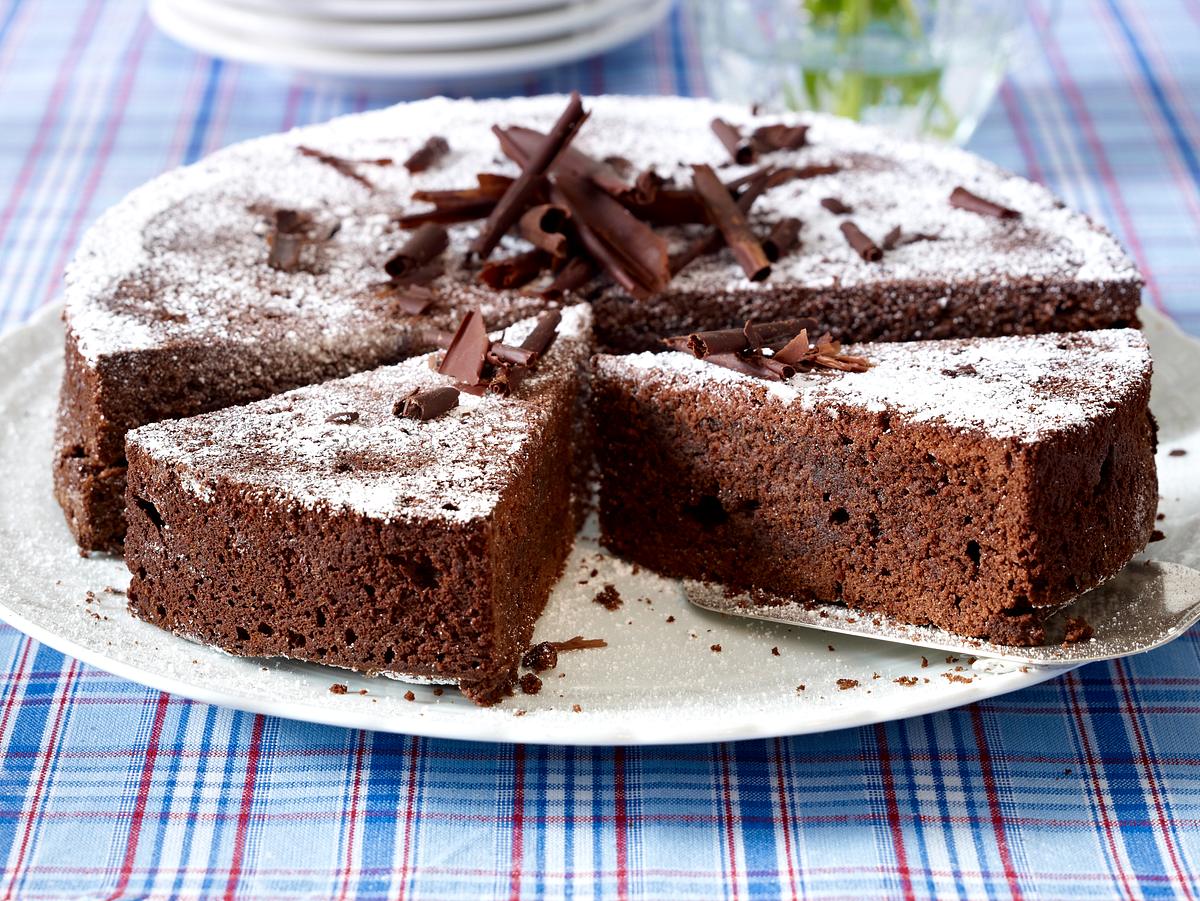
point(972, 484)
point(418, 547)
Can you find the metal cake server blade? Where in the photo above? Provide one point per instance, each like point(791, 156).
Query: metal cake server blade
point(1144, 606)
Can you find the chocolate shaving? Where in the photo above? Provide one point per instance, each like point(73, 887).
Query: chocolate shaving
point(506, 355)
point(344, 166)
point(892, 238)
point(714, 240)
point(669, 206)
point(826, 353)
point(743, 350)
point(863, 246)
point(342, 417)
point(784, 237)
point(427, 155)
point(544, 332)
point(460, 204)
point(730, 219)
point(753, 365)
point(965, 200)
point(765, 334)
point(515, 271)
point(573, 276)
point(836, 206)
point(740, 150)
point(579, 643)
point(426, 405)
point(545, 226)
point(425, 244)
point(521, 144)
point(465, 358)
point(413, 299)
point(291, 232)
point(517, 198)
point(768, 138)
point(625, 246)
point(645, 188)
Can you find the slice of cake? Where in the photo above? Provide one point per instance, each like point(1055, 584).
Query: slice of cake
point(259, 269)
point(971, 484)
point(385, 522)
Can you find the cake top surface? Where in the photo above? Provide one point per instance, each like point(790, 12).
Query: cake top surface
point(1024, 388)
point(184, 257)
point(452, 468)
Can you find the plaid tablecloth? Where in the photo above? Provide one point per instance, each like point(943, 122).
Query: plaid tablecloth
point(1085, 787)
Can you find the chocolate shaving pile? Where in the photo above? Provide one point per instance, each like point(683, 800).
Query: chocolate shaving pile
point(774, 351)
point(481, 365)
point(585, 218)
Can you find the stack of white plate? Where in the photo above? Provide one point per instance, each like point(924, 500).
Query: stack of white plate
point(406, 39)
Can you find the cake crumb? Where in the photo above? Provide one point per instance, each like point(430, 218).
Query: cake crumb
point(608, 598)
point(876, 676)
point(108, 589)
point(831, 647)
point(775, 652)
point(952, 659)
point(1078, 629)
point(518, 713)
point(800, 688)
point(670, 619)
point(924, 662)
point(1157, 535)
point(716, 649)
point(540, 657)
point(1160, 517)
point(844, 684)
point(634, 569)
point(409, 696)
point(593, 573)
point(1177, 452)
point(955, 677)
point(530, 684)
point(575, 708)
point(906, 681)
point(338, 688)
point(438, 691)
point(362, 691)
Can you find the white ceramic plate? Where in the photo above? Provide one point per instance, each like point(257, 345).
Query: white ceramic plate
point(388, 65)
point(463, 34)
point(656, 682)
point(404, 10)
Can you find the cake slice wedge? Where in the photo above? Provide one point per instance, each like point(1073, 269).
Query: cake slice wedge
point(973, 484)
point(325, 525)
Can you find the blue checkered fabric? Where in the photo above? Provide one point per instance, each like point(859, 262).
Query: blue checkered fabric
point(1084, 787)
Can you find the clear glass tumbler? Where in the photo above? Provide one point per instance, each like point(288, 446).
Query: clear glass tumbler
point(925, 68)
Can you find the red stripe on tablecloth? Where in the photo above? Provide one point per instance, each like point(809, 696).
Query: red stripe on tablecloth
point(727, 804)
point(143, 792)
point(96, 168)
point(409, 816)
point(243, 823)
point(1075, 100)
point(355, 794)
point(10, 703)
point(993, 800)
point(1033, 166)
point(785, 820)
point(1102, 806)
point(87, 27)
point(621, 823)
point(43, 772)
point(1151, 782)
point(893, 810)
point(518, 821)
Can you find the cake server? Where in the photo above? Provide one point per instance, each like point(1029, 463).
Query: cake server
point(1144, 606)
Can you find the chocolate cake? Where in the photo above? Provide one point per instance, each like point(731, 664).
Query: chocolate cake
point(385, 522)
point(281, 261)
point(973, 484)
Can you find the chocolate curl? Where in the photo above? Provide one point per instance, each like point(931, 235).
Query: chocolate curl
point(759, 367)
point(836, 207)
point(506, 355)
point(625, 246)
point(792, 173)
point(795, 350)
point(343, 166)
point(573, 276)
point(863, 246)
point(426, 405)
point(516, 271)
point(520, 144)
point(714, 240)
point(768, 138)
point(291, 233)
point(544, 332)
point(965, 200)
point(468, 349)
point(753, 337)
point(517, 198)
point(459, 205)
point(645, 188)
point(741, 150)
point(892, 238)
point(782, 239)
point(670, 206)
point(545, 226)
point(826, 352)
point(730, 219)
point(425, 244)
point(427, 155)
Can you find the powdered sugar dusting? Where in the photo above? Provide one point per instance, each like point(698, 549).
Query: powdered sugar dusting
point(452, 468)
point(1023, 387)
point(184, 257)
